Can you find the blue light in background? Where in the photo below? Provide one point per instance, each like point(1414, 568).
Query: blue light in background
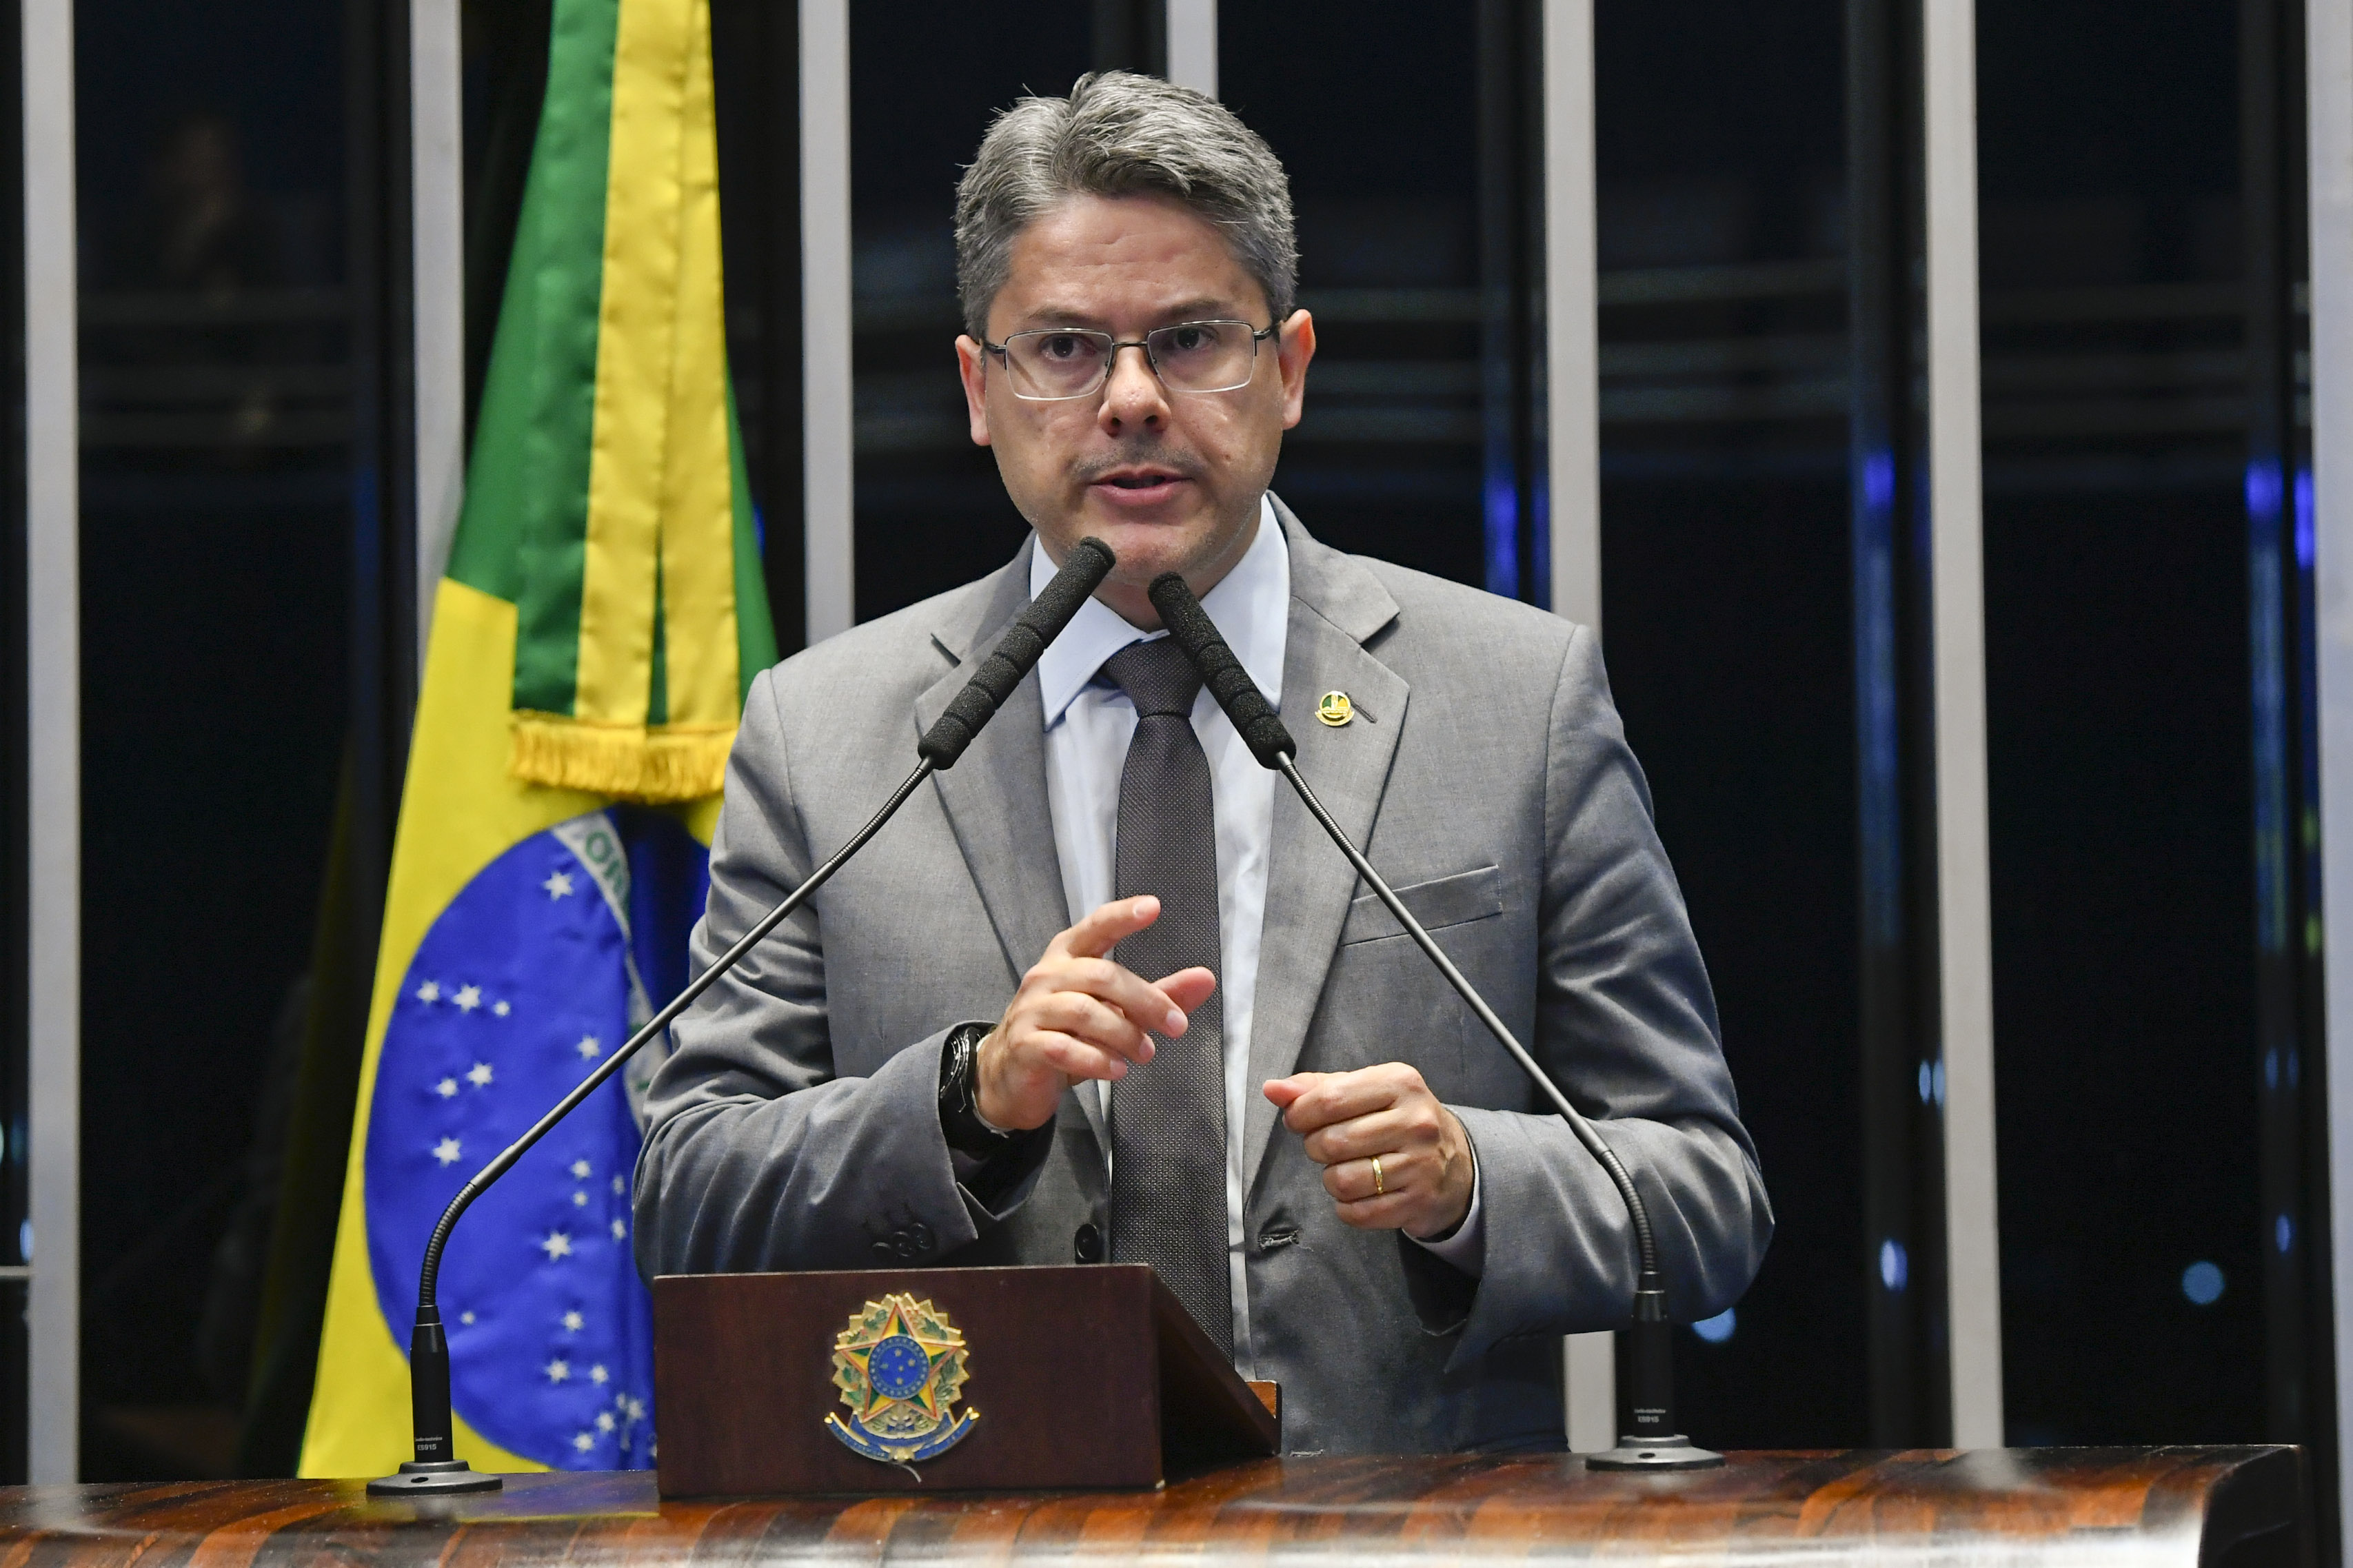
point(1894, 1267)
point(1503, 535)
point(2282, 1233)
point(2262, 488)
point(1879, 480)
point(2304, 518)
point(2202, 1283)
point(1715, 1330)
point(1540, 569)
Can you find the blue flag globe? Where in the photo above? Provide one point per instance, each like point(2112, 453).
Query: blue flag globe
point(547, 961)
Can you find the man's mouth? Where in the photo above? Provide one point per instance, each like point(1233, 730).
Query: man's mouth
point(1136, 485)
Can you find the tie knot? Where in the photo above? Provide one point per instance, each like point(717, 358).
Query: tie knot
point(1158, 677)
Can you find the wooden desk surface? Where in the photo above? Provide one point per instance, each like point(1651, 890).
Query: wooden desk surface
point(2232, 1506)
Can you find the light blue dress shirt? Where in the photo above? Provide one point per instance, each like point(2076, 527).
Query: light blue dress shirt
point(1089, 722)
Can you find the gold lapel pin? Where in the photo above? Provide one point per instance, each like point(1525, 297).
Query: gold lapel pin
point(1334, 708)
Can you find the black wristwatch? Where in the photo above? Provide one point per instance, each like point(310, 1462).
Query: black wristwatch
point(959, 1091)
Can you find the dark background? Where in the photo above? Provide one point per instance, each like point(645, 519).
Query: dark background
point(235, 494)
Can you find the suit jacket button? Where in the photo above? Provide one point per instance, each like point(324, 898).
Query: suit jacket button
point(920, 1235)
point(1087, 1246)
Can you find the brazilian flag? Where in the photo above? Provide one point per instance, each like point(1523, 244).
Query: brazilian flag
point(601, 618)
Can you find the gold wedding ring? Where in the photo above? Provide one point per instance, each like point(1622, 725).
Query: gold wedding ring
point(1379, 1189)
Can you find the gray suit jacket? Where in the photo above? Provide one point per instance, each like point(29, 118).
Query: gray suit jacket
point(797, 1124)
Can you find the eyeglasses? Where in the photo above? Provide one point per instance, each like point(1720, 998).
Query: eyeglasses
point(1055, 363)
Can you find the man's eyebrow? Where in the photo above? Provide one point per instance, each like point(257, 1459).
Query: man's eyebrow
point(1056, 316)
point(1201, 309)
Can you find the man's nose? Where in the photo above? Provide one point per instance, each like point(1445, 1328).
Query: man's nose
point(1132, 396)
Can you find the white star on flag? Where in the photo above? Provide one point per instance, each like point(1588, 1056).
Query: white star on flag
point(500, 1008)
point(589, 1047)
point(557, 1245)
point(583, 1441)
point(429, 992)
point(580, 1169)
point(446, 1088)
point(620, 1230)
point(468, 997)
point(596, 1373)
point(572, 1322)
point(604, 1421)
point(618, 1186)
point(465, 1317)
point(635, 1407)
point(479, 1075)
point(558, 884)
point(447, 1151)
point(580, 1200)
point(558, 1370)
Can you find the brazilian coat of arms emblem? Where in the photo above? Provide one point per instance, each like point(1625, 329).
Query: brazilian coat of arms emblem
point(899, 1365)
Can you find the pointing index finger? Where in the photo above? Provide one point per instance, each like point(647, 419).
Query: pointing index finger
point(1100, 929)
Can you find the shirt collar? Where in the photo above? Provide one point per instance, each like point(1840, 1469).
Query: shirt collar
point(1251, 607)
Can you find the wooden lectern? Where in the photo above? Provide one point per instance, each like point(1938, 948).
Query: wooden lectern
point(1036, 1378)
point(2026, 1507)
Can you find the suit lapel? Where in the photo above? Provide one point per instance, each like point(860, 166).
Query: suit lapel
point(995, 796)
point(1335, 605)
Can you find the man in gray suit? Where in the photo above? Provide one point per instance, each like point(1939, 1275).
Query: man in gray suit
point(1102, 991)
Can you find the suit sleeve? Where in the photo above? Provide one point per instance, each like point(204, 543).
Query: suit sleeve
point(757, 1157)
point(1626, 1024)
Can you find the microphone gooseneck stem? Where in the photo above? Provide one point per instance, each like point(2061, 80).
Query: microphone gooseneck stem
point(661, 1021)
point(1649, 1396)
point(437, 1467)
point(1645, 1246)
point(1648, 1440)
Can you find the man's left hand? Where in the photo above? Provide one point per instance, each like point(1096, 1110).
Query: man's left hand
point(1386, 1112)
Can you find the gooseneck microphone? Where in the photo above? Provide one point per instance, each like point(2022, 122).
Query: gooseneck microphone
point(436, 1469)
point(1647, 1437)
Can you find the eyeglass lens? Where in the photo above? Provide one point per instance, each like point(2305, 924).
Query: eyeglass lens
point(1192, 356)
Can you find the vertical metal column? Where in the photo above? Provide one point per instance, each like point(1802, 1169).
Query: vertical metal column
point(828, 420)
point(437, 278)
point(1572, 510)
point(1956, 575)
point(2328, 67)
point(53, 759)
point(1193, 45)
point(1931, 1252)
point(1572, 332)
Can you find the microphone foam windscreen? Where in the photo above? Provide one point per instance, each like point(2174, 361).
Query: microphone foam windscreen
point(1190, 628)
point(1017, 652)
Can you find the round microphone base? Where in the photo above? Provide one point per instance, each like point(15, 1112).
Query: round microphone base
point(1676, 1453)
point(442, 1479)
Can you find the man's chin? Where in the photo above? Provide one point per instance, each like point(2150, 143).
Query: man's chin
point(1169, 535)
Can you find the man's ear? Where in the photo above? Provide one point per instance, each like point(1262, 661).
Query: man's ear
point(972, 365)
point(1294, 347)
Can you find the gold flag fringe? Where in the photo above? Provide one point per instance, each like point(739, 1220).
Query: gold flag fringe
point(653, 764)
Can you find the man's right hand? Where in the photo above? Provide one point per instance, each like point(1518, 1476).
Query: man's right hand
point(1078, 1015)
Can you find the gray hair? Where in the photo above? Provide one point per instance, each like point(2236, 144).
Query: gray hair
point(1121, 134)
